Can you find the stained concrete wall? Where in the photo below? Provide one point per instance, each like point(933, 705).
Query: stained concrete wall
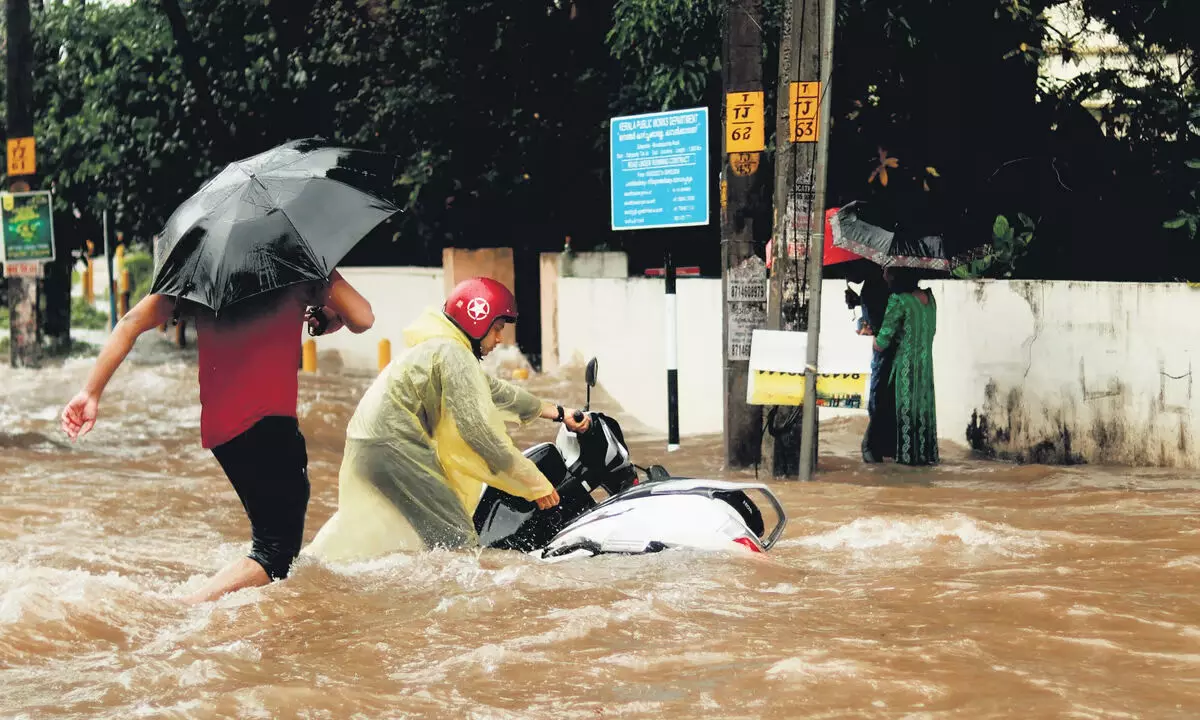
point(1100, 372)
point(1035, 371)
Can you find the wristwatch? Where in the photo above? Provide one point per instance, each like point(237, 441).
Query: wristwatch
point(560, 414)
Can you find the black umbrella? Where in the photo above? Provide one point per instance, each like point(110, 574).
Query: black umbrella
point(283, 217)
point(869, 232)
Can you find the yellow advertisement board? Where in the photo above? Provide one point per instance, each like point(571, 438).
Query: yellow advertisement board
point(842, 390)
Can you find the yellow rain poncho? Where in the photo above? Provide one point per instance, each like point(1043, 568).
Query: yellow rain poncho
point(425, 437)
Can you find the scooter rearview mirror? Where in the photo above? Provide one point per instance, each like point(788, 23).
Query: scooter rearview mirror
point(593, 367)
point(589, 376)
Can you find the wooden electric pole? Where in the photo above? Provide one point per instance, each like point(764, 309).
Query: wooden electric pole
point(743, 272)
point(22, 290)
point(802, 152)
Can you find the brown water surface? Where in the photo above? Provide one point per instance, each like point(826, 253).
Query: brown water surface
point(975, 590)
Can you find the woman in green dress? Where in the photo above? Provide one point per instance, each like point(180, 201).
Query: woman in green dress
point(908, 328)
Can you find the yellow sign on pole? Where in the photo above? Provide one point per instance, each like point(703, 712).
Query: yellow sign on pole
point(21, 159)
point(744, 122)
point(744, 163)
point(804, 102)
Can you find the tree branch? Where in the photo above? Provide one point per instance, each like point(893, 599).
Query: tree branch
point(221, 134)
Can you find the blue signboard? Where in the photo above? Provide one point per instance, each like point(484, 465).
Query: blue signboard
point(659, 169)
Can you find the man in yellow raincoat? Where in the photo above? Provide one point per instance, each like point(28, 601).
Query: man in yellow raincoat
point(429, 433)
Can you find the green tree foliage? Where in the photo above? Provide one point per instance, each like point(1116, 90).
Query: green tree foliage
point(497, 113)
point(1150, 117)
point(112, 118)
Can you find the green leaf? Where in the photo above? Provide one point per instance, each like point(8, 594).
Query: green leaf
point(1000, 227)
point(1193, 164)
point(1176, 223)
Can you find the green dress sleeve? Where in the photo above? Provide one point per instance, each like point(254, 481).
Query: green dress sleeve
point(892, 319)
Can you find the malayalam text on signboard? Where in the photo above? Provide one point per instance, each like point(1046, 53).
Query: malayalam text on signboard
point(26, 227)
point(659, 168)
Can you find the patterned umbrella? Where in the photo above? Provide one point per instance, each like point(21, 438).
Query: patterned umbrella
point(860, 229)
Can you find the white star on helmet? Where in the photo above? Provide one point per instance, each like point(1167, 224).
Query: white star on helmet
point(478, 309)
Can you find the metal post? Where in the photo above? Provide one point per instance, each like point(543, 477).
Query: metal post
point(672, 357)
point(112, 286)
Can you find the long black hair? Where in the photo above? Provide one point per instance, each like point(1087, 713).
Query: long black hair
point(903, 279)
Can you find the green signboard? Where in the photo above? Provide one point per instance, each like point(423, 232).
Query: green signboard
point(26, 227)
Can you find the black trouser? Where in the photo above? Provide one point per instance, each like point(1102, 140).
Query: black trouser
point(880, 439)
point(268, 467)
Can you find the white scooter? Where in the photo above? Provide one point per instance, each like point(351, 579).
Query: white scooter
point(609, 505)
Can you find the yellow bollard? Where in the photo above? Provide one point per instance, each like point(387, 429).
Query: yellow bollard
point(89, 293)
point(119, 282)
point(309, 358)
point(89, 275)
point(123, 295)
point(385, 353)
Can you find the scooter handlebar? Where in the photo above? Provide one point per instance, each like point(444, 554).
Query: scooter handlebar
point(577, 416)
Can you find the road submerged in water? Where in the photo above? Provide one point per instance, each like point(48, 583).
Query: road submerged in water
point(973, 590)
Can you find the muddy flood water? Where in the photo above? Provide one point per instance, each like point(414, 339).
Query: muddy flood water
point(975, 590)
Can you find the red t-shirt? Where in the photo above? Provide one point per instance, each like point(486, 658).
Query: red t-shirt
point(248, 369)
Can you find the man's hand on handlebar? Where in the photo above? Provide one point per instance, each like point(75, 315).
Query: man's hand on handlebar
point(576, 421)
point(547, 501)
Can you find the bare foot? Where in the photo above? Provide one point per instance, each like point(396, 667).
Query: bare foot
point(240, 574)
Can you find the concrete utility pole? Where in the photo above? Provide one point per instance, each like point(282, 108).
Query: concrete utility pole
point(22, 291)
point(802, 154)
point(744, 273)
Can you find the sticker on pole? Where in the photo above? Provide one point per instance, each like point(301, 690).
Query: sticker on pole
point(24, 269)
point(659, 169)
point(744, 122)
point(745, 305)
point(803, 111)
point(22, 158)
point(27, 227)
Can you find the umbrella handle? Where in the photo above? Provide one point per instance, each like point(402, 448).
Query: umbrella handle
point(317, 311)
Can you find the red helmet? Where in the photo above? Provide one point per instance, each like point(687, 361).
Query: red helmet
point(474, 305)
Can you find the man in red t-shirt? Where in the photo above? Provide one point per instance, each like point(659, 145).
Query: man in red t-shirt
point(248, 395)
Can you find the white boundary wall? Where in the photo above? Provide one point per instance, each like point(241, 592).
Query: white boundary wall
point(397, 296)
point(1094, 371)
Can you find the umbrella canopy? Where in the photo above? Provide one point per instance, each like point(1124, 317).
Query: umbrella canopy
point(859, 229)
point(833, 254)
point(286, 216)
